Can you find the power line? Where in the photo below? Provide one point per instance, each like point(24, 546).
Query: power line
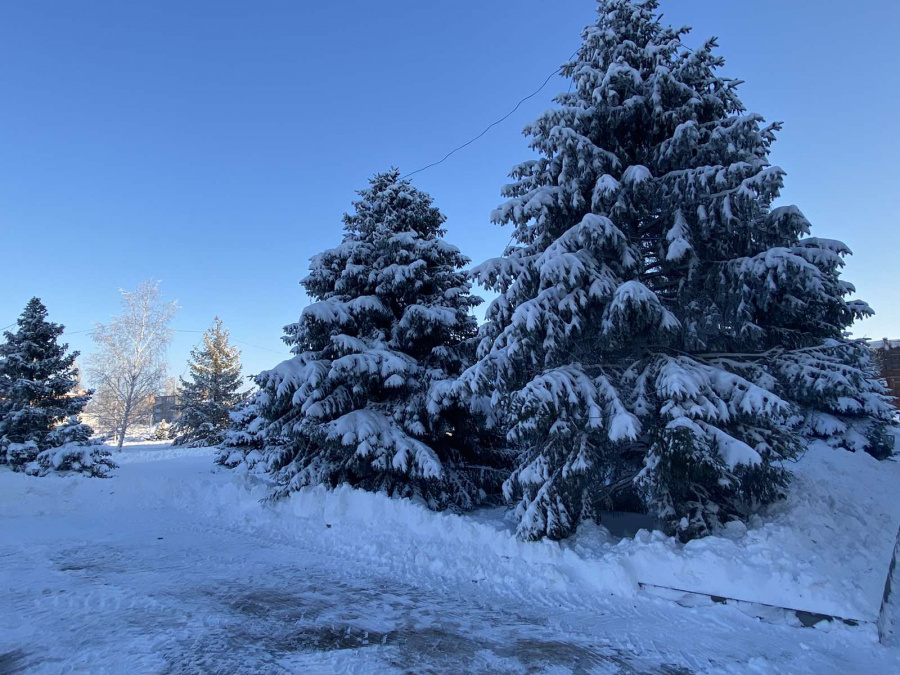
point(196, 344)
point(507, 115)
point(180, 330)
point(411, 173)
point(268, 349)
point(492, 124)
point(243, 342)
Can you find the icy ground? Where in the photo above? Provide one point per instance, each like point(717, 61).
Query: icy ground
point(172, 566)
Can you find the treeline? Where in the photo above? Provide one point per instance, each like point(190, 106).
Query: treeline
point(42, 401)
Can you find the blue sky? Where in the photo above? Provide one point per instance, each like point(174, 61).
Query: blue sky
point(215, 145)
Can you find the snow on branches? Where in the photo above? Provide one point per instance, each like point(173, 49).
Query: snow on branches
point(662, 333)
point(40, 432)
point(390, 318)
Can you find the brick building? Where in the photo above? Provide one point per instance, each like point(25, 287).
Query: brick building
point(887, 355)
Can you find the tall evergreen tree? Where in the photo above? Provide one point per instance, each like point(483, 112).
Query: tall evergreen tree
point(391, 318)
point(212, 391)
point(662, 333)
point(39, 404)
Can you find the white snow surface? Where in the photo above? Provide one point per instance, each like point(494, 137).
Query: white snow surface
point(173, 565)
point(826, 549)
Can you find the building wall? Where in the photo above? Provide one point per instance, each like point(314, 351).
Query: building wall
point(165, 408)
point(887, 354)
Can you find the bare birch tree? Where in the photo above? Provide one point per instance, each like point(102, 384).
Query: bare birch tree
point(129, 367)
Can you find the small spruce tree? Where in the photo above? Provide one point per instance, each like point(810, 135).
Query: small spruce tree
point(212, 391)
point(40, 431)
point(663, 335)
point(163, 431)
point(391, 319)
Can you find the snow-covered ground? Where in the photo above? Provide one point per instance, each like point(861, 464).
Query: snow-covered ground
point(826, 549)
point(174, 566)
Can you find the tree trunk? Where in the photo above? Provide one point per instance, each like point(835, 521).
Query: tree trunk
point(125, 417)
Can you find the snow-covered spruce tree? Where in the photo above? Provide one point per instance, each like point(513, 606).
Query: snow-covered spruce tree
point(39, 406)
point(661, 330)
point(212, 391)
point(390, 318)
point(242, 444)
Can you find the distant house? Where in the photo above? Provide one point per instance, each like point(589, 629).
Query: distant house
point(887, 354)
point(165, 408)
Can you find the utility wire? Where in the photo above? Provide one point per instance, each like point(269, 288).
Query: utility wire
point(268, 349)
point(181, 330)
point(196, 344)
point(411, 173)
point(492, 124)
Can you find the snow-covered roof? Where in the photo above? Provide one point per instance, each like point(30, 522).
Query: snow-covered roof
point(884, 344)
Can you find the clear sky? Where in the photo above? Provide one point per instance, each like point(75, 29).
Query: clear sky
point(214, 145)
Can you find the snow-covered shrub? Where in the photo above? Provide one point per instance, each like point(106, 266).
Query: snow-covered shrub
point(40, 431)
point(71, 449)
point(662, 332)
point(19, 455)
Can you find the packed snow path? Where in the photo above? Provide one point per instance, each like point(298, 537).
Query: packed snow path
point(131, 575)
